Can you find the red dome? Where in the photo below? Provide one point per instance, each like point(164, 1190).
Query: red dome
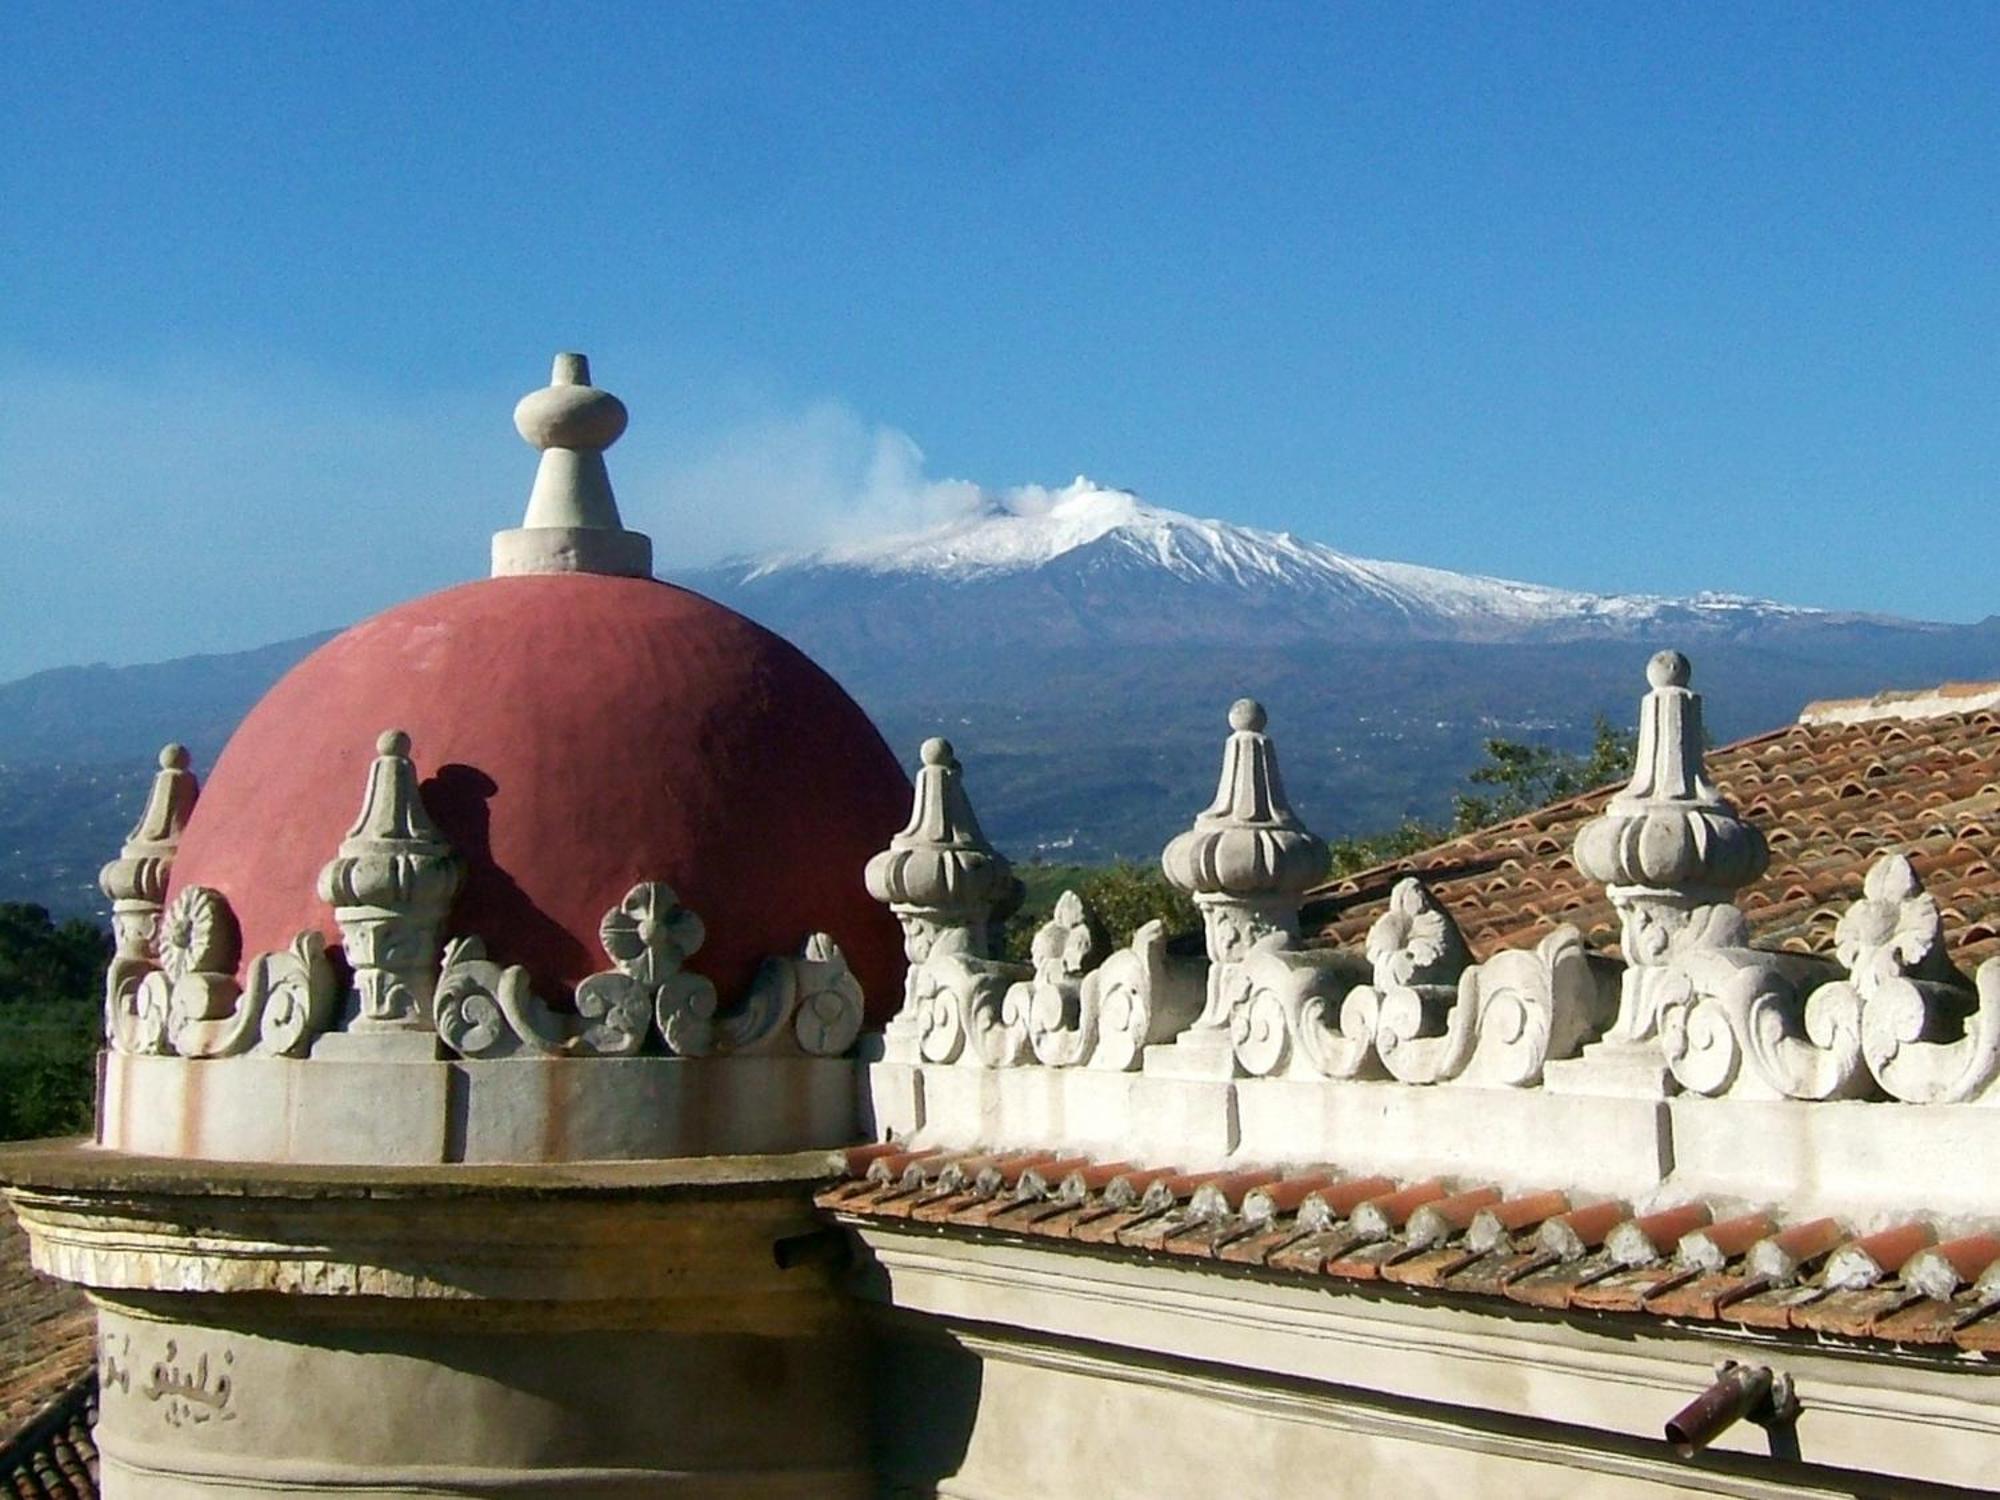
point(576, 735)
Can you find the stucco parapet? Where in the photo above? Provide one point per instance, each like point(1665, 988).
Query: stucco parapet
point(1867, 1161)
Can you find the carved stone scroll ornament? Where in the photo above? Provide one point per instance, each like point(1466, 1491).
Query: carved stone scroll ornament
point(289, 998)
point(486, 1010)
point(192, 1005)
point(1060, 1023)
point(1289, 1013)
point(827, 1021)
point(960, 1007)
point(1318, 1014)
point(1140, 996)
point(1417, 955)
point(812, 1001)
point(136, 885)
point(950, 889)
point(1736, 1021)
point(1928, 1037)
point(390, 886)
point(1528, 1007)
point(483, 1009)
point(1494, 1024)
point(1668, 845)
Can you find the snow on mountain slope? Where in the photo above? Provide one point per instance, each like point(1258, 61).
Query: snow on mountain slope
point(1031, 529)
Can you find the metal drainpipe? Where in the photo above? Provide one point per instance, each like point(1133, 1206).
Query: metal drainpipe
point(1739, 1392)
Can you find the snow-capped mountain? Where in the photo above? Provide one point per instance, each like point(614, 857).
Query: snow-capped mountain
point(1086, 562)
point(1082, 647)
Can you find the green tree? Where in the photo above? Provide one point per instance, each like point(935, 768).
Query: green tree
point(1515, 778)
point(1125, 896)
point(1526, 777)
point(41, 959)
point(50, 976)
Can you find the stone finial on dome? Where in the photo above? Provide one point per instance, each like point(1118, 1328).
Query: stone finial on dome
point(390, 887)
point(572, 524)
point(1670, 830)
point(940, 871)
point(1248, 849)
point(139, 874)
point(136, 881)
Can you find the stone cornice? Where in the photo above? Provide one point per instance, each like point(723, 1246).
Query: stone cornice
point(698, 1233)
point(75, 1163)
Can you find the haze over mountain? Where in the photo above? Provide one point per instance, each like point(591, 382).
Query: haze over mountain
point(1082, 648)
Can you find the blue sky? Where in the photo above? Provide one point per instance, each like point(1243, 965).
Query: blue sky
point(1641, 298)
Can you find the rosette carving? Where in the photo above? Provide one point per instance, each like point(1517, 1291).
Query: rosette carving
point(197, 951)
point(1141, 995)
point(1894, 930)
point(390, 886)
point(136, 885)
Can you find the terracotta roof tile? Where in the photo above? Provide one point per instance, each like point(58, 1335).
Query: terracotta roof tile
point(1749, 1270)
point(47, 1334)
point(1829, 797)
point(52, 1456)
point(1875, 1257)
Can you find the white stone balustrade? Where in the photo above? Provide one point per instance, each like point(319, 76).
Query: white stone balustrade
point(1699, 1061)
point(1414, 1053)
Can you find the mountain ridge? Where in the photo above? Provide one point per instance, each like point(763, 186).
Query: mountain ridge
point(1081, 648)
point(1034, 529)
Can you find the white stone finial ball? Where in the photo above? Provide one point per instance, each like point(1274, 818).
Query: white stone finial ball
point(1248, 714)
point(173, 757)
point(1668, 669)
point(392, 742)
point(937, 752)
point(570, 412)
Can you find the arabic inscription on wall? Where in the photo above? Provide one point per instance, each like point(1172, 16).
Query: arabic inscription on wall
point(189, 1387)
